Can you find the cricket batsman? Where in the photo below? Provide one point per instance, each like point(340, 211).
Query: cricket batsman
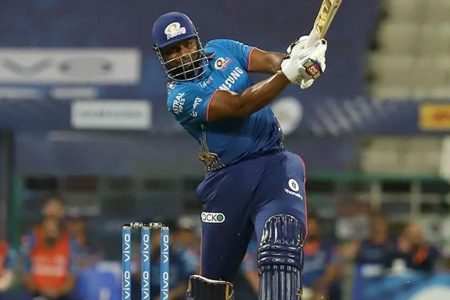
point(253, 183)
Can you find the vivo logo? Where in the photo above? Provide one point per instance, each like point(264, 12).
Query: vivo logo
point(71, 65)
point(165, 249)
point(126, 252)
point(126, 286)
point(145, 247)
point(145, 291)
point(165, 286)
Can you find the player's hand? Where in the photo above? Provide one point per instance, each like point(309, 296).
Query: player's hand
point(290, 64)
point(296, 46)
point(295, 49)
point(304, 84)
point(312, 61)
point(290, 68)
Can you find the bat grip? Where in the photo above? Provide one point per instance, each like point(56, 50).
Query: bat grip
point(312, 39)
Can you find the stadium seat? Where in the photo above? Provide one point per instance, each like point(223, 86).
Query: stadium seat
point(404, 9)
point(403, 76)
point(435, 39)
point(382, 154)
point(383, 91)
point(437, 11)
point(440, 92)
point(380, 64)
point(428, 71)
point(423, 154)
point(398, 38)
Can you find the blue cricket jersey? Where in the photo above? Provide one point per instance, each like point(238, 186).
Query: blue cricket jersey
point(224, 142)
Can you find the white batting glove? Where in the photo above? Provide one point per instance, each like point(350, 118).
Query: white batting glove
point(311, 62)
point(296, 46)
point(304, 84)
point(290, 67)
point(290, 64)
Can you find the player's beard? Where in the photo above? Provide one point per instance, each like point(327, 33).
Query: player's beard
point(185, 67)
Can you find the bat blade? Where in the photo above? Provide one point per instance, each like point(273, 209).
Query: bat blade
point(323, 21)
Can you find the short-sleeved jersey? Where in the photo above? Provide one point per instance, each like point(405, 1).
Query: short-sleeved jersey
point(228, 141)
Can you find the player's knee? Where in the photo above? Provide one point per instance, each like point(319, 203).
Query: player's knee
point(202, 288)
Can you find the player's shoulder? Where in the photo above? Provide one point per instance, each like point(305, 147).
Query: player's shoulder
point(220, 44)
point(174, 89)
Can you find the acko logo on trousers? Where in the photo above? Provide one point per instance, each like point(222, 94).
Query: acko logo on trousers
point(209, 217)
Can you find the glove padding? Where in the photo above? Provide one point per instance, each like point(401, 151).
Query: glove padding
point(301, 66)
point(297, 46)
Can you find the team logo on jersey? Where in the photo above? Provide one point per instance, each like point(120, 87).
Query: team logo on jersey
point(294, 187)
point(209, 217)
point(222, 63)
point(174, 29)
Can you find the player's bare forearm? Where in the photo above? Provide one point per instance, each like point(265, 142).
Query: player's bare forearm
point(262, 93)
point(228, 104)
point(265, 62)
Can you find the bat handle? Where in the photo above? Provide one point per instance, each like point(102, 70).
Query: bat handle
point(312, 39)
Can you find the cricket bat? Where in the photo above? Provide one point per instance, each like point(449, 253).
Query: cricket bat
point(323, 21)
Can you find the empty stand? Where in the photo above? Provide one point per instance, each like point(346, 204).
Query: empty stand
point(413, 51)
